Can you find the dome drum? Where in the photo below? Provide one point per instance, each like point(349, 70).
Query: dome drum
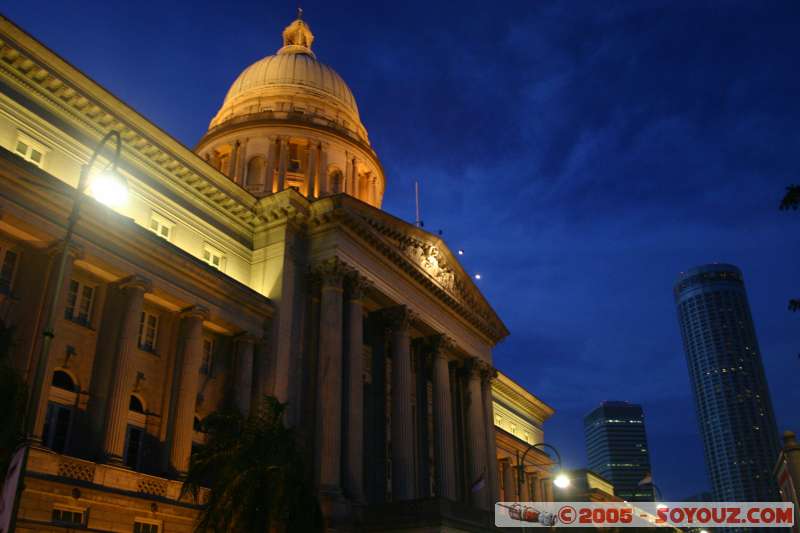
point(290, 121)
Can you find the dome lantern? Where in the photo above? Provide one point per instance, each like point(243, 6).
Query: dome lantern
point(297, 37)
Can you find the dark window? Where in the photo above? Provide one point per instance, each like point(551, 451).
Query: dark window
point(135, 404)
point(133, 446)
point(62, 380)
point(62, 516)
point(56, 426)
point(142, 527)
point(7, 271)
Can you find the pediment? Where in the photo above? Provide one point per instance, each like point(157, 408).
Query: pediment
point(423, 255)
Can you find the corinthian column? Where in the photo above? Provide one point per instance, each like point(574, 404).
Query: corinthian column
point(509, 486)
point(476, 437)
point(354, 420)
point(282, 163)
point(329, 409)
point(191, 341)
point(443, 419)
point(243, 385)
point(399, 319)
point(121, 384)
point(493, 482)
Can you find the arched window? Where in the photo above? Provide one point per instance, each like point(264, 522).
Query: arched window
point(336, 180)
point(62, 380)
point(135, 404)
point(254, 178)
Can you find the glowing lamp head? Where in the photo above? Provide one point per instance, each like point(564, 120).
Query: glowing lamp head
point(561, 481)
point(477, 276)
point(109, 188)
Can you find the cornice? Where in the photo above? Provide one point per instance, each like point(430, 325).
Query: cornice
point(57, 86)
point(506, 389)
point(397, 241)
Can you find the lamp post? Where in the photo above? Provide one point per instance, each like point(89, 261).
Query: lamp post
point(561, 480)
point(109, 188)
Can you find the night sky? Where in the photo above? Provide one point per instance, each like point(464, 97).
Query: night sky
point(581, 153)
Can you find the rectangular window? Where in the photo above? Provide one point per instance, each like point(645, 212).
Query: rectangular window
point(133, 446)
point(56, 426)
point(161, 226)
point(7, 270)
point(144, 527)
point(148, 331)
point(213, 257)
point(30, 150)
point(68, 516)
point(79, 302)
point(208, 356)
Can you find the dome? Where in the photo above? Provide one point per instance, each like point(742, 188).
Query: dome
point(292, 81)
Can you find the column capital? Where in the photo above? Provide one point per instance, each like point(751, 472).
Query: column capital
point(479, 368)
point(136, 281)
point(245, 338)
point(356, 285)
point(331, 273)
point(195, 311)
point(398, 317)
point(440, 345)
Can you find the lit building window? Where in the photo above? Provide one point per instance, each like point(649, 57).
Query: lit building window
point(161, 226)
point(30, 149)
point(79, 302)
point(148, 331)
point(213, 257)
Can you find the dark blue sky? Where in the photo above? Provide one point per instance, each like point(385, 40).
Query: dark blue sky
point(583, 153)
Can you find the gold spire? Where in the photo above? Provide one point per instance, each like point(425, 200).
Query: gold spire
point(297, 37)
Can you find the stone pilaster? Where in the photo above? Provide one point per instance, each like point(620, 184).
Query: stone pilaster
point(324, 186)
point(191, 343)
point(283, 161)
point(121, 383)
point(243, 383)
point(399, 321)
point(233, 165)
point(524, 494)
point(329, 409)
point(443, 419)
point(476, 437)
point(354, 388)
point(268, 181)
point(241, 167)
point(311, 173)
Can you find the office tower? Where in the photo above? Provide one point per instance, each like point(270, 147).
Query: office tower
point(616, 448)
point(733, 405)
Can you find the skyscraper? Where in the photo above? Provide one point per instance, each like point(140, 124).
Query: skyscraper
point(734, 410)
point(616, 446)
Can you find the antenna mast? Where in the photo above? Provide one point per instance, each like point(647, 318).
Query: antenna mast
point(418, 222)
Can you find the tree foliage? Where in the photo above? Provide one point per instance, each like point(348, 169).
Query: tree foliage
point(792, 198)
point(255, 469)
point(13, 398)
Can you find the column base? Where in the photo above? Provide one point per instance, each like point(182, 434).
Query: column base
point(335, 507)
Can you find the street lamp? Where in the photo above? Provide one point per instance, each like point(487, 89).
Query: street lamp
point(107, 187)
point(561, 480)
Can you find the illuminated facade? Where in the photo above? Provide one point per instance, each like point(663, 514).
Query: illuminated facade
point(518, 419)
point(260, 263)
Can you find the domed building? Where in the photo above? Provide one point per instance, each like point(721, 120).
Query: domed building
point(291, 121)
point(258, 264)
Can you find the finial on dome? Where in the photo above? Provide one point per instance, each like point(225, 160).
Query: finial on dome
point(297, 37)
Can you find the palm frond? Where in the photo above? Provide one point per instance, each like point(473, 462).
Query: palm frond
point(792, 198)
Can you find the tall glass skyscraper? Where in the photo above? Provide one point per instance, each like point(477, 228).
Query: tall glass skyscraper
point(616, 448)
point(733, 405)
